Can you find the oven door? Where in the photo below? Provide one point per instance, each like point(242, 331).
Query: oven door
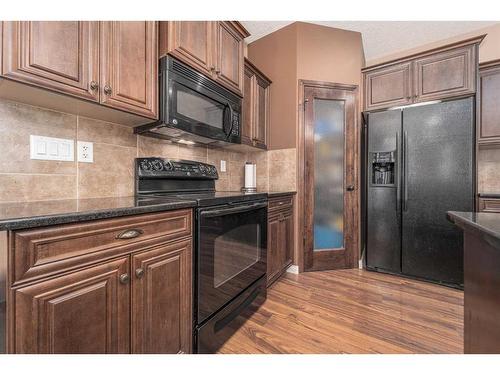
point(200, 111)
point(231, 253)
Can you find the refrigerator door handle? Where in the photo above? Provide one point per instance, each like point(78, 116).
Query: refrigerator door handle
point(398, 171)
point(405, 169)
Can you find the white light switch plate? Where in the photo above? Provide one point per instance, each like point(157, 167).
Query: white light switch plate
point(85, 152)
point(222, 165)
point(48, 148)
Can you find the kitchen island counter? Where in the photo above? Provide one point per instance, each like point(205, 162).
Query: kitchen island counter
point(481, 280)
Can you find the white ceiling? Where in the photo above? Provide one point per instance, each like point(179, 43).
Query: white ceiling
point(382, 38)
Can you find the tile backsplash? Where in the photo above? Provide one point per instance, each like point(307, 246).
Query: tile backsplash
point(115, 148)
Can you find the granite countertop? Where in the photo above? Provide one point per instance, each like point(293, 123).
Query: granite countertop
point(488, 223)
point(489, 195)
point(24, 215)
point(272, 194)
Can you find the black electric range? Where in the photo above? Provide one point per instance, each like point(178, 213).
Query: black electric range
point(230, 244)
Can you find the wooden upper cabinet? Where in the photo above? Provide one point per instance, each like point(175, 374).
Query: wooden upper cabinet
point(87, 311)
point(445, 74)
point(57, 55)
point(214, 48)
point(442, 73)
point(256, 107)
point(161, 299)
point(388, 87)
point(230, 56)
point(489, 107)
point(129, 66)
point(189, 41)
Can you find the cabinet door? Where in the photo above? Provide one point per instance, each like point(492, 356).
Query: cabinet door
point(129, 66)
point(261, 112)
point(248, 107)
point(56, 55)
point(192, 42)
point(445, 74)
point(83, 312)
point(273, 248)
point(161, 299)
point(229, 68)
point(388, 86)
point(489, 109)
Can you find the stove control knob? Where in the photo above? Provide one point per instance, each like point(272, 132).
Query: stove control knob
point(168, 166)
point(157, 165)
point(145, 165)
point(203, 169)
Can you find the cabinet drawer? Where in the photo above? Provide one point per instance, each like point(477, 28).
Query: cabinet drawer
point(489, 205)
point(37, 253)
point(281, 203)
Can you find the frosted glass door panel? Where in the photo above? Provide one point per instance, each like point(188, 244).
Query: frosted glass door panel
point(329, 122)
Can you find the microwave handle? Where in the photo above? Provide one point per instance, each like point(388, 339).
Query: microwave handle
point(230, 125)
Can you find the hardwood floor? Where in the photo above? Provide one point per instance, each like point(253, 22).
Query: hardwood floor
point(353, 311)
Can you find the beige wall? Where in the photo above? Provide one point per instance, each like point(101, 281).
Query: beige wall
point(303, 51)
point(276, 56)
point(115, 148)
point(489, 49)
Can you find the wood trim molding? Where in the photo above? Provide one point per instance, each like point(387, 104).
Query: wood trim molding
point(299, 207)
point(257, 70)
point(462, 43)
point(489, 64)
point(240, 28)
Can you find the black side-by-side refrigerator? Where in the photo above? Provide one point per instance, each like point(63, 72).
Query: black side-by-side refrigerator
point(419, 164)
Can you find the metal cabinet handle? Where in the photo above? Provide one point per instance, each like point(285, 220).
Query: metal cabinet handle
point(350, 188)
point(217, 71)
point(139, 273)
point(94, 85)
point(124, 279)
point(129, 233)
point(107, 90)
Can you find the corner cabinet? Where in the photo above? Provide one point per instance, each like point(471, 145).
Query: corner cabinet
point(280, 236)
point(111, 63)
point(214, 48)
point(256, 107)
point(108, 286)
point(442, 73)
point(489, 103)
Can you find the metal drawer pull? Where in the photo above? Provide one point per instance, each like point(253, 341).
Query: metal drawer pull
point(129, 233)
point(124, 279)
point(139, 273)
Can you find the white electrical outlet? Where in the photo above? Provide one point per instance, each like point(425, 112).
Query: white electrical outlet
point(222, 165)
point(85, 152)
point(48, 148)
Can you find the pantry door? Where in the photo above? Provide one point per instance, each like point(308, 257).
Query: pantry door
point(330, 191)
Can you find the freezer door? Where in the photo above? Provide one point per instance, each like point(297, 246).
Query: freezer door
point(383, 241)
point(438, 162)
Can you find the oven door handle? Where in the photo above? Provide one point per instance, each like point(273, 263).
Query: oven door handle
point(233, 210)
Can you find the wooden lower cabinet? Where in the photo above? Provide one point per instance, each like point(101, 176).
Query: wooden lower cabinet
point(161, 299)
point(83, 312)
point(280, 239)
point(140, 301)
point(489, 205)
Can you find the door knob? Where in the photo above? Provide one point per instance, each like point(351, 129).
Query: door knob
point(139, 273)
point(107, 90)
point(124, 279)
point(350, 188)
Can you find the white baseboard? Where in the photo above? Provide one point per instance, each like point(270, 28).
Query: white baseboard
point(293, 269)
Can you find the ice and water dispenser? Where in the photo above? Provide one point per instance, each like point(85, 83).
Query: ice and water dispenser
point(383, 168)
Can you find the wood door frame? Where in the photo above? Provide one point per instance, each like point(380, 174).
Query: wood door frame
point(354, 89)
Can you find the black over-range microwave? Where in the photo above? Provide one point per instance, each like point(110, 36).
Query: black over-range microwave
point(194, 108)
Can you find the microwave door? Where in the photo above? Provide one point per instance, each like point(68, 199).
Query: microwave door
point(192, 111)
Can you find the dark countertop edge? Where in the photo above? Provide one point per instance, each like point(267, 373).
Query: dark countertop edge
point(273, 194)
point(467, 224)
point(489, 195)
point(74, 217)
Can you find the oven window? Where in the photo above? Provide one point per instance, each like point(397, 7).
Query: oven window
point(235, 251)
point(192, 105)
